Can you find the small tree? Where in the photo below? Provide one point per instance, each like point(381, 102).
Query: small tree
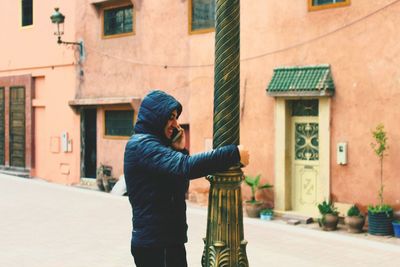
point(380, 146)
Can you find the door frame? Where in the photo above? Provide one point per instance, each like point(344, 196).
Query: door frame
point(283, 169)
point(26, 81)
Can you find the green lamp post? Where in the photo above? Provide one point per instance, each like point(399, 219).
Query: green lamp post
point(224, 245)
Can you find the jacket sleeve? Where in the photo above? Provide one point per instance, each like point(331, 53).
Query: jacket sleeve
point(167, 161)
point(216, 160)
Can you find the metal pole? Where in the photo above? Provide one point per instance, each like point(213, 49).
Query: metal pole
point(224, 244)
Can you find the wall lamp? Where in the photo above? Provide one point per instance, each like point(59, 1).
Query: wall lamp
point(58, 19)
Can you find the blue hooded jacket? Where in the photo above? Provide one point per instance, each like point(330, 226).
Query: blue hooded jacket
point(157, 176)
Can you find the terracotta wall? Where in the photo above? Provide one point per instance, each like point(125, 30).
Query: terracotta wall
point(133, 65)
point(363, 54)
point(358, 41)
point(33, 51)
point(34, 47)
point(53, 116)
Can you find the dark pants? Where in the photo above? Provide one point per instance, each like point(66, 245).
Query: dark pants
point(160, 257)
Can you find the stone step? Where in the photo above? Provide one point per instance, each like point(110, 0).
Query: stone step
point(24, 173)
point(295, 217)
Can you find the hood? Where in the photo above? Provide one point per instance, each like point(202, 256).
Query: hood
point(154, 113)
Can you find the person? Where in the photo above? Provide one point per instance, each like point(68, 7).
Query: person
point(157, 173)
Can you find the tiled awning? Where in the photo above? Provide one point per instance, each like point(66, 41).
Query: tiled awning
point(302, 81)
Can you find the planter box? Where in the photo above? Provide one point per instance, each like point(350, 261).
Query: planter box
point(380, 223)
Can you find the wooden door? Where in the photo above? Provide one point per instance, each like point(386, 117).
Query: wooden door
point(17, 126)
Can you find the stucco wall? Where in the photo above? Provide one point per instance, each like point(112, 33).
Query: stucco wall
point(33, 51)
point(363, 54)
point(53, 116)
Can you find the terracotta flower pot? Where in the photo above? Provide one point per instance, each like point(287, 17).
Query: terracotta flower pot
point(354, 224)
point(329, 222)
point(253, 209)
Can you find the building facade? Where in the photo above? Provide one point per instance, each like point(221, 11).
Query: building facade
point(36, 81)
point(316, 79)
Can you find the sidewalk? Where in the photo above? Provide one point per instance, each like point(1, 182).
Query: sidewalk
point(277, 244)
point(50, 225)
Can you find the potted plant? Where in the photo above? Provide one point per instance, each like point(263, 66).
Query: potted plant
point(330, 216)
point(253, 206)
point(267, 214)
point(354, 220)
point(380, 216)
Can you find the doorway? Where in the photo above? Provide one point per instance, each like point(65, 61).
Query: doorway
point(89, 142)
point(302, 155)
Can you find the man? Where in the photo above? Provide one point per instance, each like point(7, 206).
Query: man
point(157, 172)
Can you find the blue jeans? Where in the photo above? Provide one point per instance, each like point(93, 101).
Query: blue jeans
point(160, 257)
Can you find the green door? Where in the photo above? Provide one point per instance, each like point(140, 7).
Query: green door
point(2, 126)
point(17, 126)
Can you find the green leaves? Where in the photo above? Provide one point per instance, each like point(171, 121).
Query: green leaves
point(380, 208)
point(254, 183)
point(327, 208)
point(267, 211)
point(380, 144)
point(354, 211)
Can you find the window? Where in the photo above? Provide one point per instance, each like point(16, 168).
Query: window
point(118, 123)
point(118, 21)
point(322, 4)
point(26, 12)
point(201, 16)
point(304, 107)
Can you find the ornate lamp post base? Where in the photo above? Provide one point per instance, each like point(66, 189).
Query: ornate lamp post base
point(224, 245)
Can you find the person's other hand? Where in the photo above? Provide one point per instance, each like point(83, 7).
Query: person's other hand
point(179, 144)
point(244, 155)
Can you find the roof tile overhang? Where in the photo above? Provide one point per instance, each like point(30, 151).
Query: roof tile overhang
point(302, 81)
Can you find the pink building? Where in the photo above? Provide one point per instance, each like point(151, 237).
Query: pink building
point(330, 68)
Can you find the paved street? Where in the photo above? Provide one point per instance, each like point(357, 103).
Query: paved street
point(50, 225)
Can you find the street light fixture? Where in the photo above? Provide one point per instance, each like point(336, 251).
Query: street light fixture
point(58, 19)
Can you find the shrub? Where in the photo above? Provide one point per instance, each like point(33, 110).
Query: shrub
point(354, 211)
point(327, 208)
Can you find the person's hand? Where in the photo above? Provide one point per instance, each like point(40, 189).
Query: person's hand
point(179, 144)
point(244, 155)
